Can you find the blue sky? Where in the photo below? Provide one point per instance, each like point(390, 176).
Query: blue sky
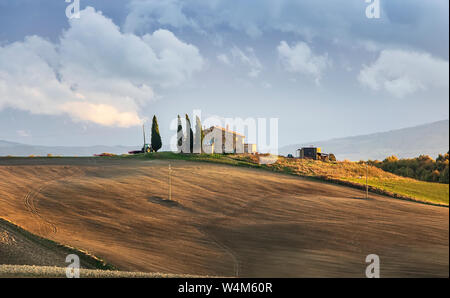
point(322, 67)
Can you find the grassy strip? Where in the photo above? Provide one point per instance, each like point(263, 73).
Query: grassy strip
point(84, 256)
point(385, 192)
point(427, 192)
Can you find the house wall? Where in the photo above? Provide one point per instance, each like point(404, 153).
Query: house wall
point(208, 149)
point(250, 148)
point(224, 141)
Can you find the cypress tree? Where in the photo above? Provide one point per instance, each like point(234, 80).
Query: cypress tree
point(179, 136)
point(156, 137)
point(189, 135)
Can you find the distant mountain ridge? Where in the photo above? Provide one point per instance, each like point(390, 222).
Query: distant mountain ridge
point(430, 139)
point(17, 149)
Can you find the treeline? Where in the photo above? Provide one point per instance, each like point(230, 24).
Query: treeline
point(422, 168)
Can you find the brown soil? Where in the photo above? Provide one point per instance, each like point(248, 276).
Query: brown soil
point(225, 220)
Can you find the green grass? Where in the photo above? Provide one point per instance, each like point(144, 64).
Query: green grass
point(215, 158)
point(436, 193)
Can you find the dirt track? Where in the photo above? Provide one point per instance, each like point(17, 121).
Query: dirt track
point(225, 221)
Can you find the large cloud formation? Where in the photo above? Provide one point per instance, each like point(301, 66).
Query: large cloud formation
point(300, 59)
point(401, 73)
point(401, 23)
point(254, 17)
point(95, 72)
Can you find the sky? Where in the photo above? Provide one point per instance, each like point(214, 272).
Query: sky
point(321, 67)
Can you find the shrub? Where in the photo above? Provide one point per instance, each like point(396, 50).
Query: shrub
point(332, 157)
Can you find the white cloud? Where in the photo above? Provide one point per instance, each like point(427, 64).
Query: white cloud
point(248, 59)
point(300, 59)
point(401, 73)
point(147, 13)
point(94, 73)
point(224, 59)
point(102, 114)
point(242, 58)
point(251, 17)
point(342, 21)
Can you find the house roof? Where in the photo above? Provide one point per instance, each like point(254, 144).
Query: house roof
point(223, 129)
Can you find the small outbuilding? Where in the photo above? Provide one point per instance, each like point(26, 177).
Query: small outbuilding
point(312, 153)
point(250, 148)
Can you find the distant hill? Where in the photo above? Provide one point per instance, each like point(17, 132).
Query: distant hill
point(430, 139)
point(17, 149)
point(5, 144)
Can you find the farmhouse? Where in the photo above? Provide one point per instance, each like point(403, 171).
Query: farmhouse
point(222, 140)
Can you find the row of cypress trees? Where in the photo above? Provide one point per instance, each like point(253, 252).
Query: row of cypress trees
point(185, 142)
point(186, 139)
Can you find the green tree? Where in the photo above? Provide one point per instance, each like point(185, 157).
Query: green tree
point(435, 176)
point(422, 168)
point(179, 135)
point(444, 176)
point(391, 158)
point(156, 137)
point(189, 135)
